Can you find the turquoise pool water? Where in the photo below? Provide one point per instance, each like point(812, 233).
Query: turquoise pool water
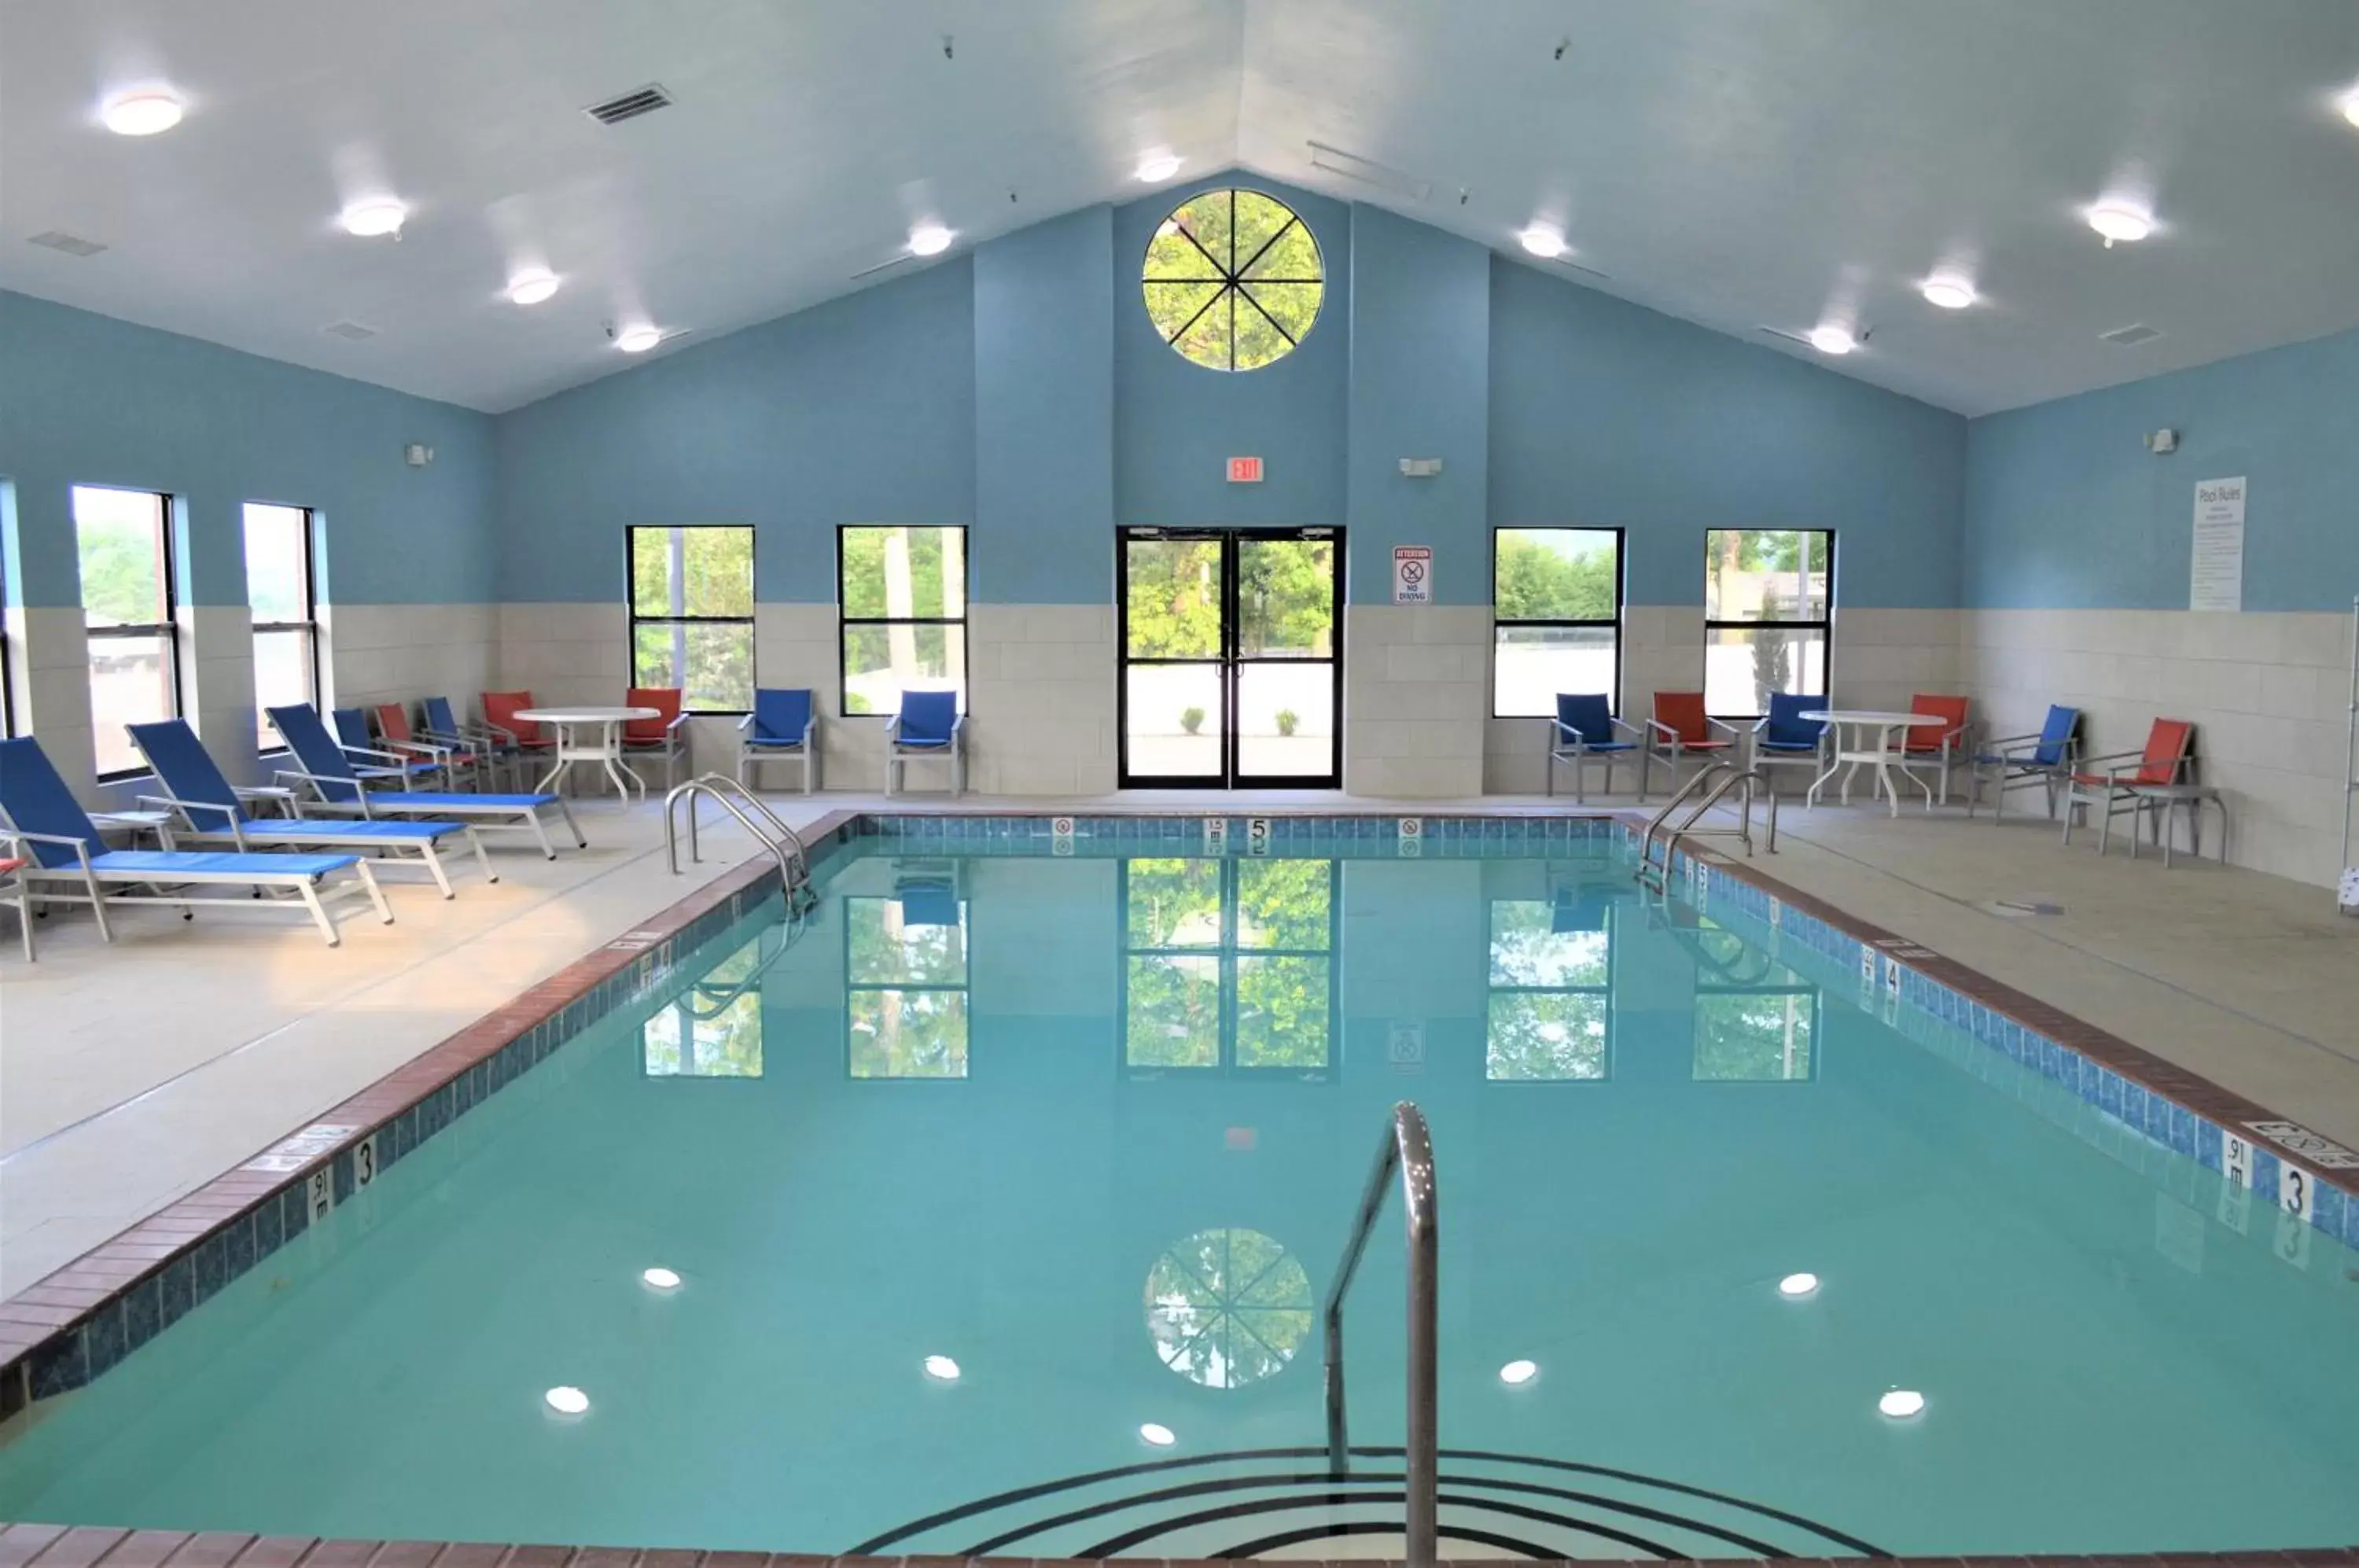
point(1091, 1127)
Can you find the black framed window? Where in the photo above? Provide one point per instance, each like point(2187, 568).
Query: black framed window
point(692, 615)
point(1551, 988)
point(1756, 1020)
point(1233, 280)
point(122, 540)
point(1229, 966)
point(7, 669)
point(281, 577)
point(1768, 598)
point(1556, 597)
point(902, 596)
point(905, 966)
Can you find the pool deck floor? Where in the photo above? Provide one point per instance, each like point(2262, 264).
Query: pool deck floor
point(130, 1075)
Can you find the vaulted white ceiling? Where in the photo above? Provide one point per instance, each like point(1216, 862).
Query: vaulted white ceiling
point(1741, 163)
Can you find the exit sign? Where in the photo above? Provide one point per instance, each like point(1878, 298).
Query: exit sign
point(1245, 471)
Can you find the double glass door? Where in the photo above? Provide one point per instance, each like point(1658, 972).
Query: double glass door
point(1232, 666)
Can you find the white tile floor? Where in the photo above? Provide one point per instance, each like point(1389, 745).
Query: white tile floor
point(130, 1075)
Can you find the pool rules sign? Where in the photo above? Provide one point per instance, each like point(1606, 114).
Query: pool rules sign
point(1412, 574)
point(2216, 577)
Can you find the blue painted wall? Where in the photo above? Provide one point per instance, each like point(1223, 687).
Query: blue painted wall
point(2066, 509)
point(1609, 414)
point(860, 410)
point(85, 399)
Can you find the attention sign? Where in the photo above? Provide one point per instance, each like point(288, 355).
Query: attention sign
point(1412, 574)
point(1245, 471)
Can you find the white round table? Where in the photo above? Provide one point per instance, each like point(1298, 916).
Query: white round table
point(590, 735)
point(1878, 751)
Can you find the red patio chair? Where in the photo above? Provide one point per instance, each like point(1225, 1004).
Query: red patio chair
point(2111, 782)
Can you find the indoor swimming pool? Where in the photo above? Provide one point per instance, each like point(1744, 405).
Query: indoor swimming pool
point(986, 1207)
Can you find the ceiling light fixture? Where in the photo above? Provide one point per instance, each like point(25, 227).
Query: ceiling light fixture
point(661, 1279)
point(378, 215)
point(1157, 167)
point(567, 1401)
point(1159, 1434)
point(929, 239)
point(530, 288)
point(1516, 1374)
point(1543, 241)
point(1831, 338)
point(2116, 221)
point(943, 1367)
point(141, 114)
point(2349, 105)
point(1950, 290)
point(1796, 1286)
point(638, 339)
point(1901, 1403)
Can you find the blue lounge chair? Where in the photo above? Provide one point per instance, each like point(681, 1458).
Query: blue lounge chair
point(1585, 728)
point(63, 849)
point(336, 785)
point(2012, 762)
point(1783, 738)
point(928, 725)
point(781, 728)
point(209, 813)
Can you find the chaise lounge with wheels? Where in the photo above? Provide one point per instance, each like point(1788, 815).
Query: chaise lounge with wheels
point(207, 810)
point(68, 862)
point(337, 787)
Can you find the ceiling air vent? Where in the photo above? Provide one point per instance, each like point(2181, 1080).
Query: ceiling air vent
point(354, 331)
point(2129, 337)
point(72, 245)
point(630, 105)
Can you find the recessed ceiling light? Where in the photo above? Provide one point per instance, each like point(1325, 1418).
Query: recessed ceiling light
point(531, 286)
point(943, 1367)
point(638, 340)
point(567, 1401)
point(1515, 1374)
point(1901, 1403)
point(1950, 290)
point(1542, 241)
point(2350, 105)
point(1159, 1434)
point(1832, 339)
point(2116, 221)
point(929, 239)
point(661, 1279)
point(1157, 167)
point(378, 215)
point(141, 114)
point(1798, 1285)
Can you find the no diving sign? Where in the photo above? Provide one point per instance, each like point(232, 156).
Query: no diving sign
point(1412, 574)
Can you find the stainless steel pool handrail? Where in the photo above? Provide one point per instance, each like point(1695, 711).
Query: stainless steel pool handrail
point(1751, 779)
point(794, 869)
point(1407, 1148)
point(1646, 838)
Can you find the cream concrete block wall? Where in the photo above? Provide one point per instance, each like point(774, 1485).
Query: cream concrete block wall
point(1415, 686)
point(1883, 657)
point(52, 653)
point(400, 653)
point(217, 684)
point(1040, 700)
point(2267, 694)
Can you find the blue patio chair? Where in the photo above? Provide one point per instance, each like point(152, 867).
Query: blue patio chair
point(63, 850)
point(1584, 728)
point(928, 725)
point(928, 901)
point(444, 728)
point(337, 786)
point(1783, 738)
point(2014, 762)
point(783, 728)
point(379, 762)
point(209, 811)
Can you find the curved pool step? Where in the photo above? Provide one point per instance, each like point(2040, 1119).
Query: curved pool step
point(1280, 1502)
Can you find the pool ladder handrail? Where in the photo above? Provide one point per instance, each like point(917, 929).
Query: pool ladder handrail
point(771, 830)
point(1728, 778)
point(1407, 1149)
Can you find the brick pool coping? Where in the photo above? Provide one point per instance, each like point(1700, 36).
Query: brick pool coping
point(66, 1302)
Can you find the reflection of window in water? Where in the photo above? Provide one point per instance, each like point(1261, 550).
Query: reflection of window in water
point(1226, 1308)
point(905, 970)
point(712, 1029)
point(1551, 988)
point(1756, 1020)
point(1229, 964)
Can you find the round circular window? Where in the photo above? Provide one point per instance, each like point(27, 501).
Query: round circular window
point(1233, 280)
point(1227, 1307)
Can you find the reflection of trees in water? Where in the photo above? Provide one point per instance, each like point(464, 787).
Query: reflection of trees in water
point(1549, 996)
point(906, 1010)
point(1228, 960)
point(1755, 1034)
point(699, 1036)
point(1227, 1307)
